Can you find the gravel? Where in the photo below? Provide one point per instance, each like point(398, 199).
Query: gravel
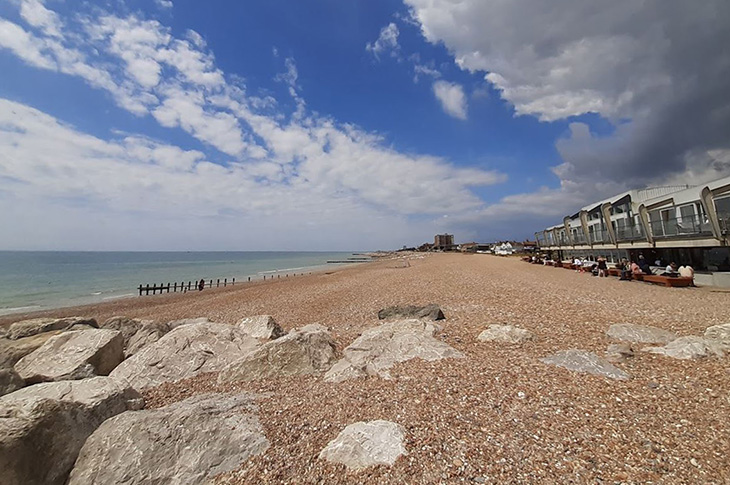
point(499, 415)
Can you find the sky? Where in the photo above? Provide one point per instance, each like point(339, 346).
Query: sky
point(360, 125)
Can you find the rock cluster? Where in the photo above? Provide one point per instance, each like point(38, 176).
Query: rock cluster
point(184, 352)
point(380, 348)
point(43, 427)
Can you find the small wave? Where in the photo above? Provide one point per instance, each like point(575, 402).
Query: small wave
point(115, 297)
point(97, 293)
point(288, 269)
point(6, 311)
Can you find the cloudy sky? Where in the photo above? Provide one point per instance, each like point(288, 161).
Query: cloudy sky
point(272, 124)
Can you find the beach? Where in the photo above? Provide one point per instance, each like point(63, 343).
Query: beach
point(499, 414)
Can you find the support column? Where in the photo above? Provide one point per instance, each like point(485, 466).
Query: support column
point(606, 213)
point(709, 206)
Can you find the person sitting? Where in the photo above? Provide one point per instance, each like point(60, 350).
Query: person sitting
point(636, 269)
point(577, 263)
point(644, 265)
point(623, 266)
point(686, 271)
point(671, 269)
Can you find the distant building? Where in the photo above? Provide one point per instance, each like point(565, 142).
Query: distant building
point(443, 242)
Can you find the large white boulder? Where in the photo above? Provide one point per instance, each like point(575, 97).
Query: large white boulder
point(585, 362)
point(184, 443)
point(380, 348)
point(691, 347)
point(148, 333)
point(11, 351)
point(261, 326)
point(184, 352)
point(27, 328)
point(73, 355)
point(506, 334)
point(309, 350)
point(365, 444)
point(629, 332)
point(43, 427)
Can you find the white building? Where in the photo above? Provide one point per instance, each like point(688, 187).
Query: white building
point(688, 225)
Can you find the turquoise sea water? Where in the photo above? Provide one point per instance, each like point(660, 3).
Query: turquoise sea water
point(38, 280)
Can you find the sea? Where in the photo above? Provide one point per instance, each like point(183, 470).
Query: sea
point(40, 280)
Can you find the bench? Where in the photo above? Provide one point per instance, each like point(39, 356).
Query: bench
point(568, 265)
point(672, 281)
point(614, 271)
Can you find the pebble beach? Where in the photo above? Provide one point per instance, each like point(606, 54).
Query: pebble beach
point(498, 415)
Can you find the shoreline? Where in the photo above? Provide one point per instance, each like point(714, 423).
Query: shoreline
point(133, 301)
point(113, 295)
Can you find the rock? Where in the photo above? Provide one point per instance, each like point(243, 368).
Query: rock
point(127, 326)
point(43, 427)
point(73, 355)
point(11, 351)
point(10, 381)
point(187, 321)
point(261, 326)
point(186, 351)
point(619, 352)
point(584, 361)
point(380, 348)
point(432, 312)
point(3, 332)
point(505, 334)
point(309, 350)
point(640, 334)
point(149, 333)
point(27, 328)
point(187, 442)
point(365, 444)
point(690, 348)
point(719, 332)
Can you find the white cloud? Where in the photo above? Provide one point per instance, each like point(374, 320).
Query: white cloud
point(387, 41)
point(36, 14)
point(164, 3)
point(351, 192)
point(452, 99)
point(284, 168)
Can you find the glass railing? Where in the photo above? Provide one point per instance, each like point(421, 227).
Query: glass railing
point(629, 233)
point(599, 236)
point(681, 226)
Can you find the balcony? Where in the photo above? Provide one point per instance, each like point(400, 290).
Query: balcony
point(629, 233)
point(677, 227)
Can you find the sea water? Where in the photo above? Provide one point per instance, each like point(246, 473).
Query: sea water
point(38, 280)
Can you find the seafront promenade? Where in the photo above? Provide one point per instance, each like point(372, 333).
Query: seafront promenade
point(498, 414)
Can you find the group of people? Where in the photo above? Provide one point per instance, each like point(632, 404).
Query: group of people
point(629, 269)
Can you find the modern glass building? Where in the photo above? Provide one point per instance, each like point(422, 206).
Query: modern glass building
point(687, 225)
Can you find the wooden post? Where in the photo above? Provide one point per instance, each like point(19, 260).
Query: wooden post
point(225, 282)
point(211, 284)
point(217, 283)
point(140, 290)
point(168, 287)
point(234, 280)
point(189, 284)
point(147, 289)
point(249, 279)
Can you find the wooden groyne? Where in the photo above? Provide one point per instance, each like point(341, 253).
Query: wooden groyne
point(189, 286)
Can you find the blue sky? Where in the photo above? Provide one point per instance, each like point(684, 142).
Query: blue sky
point(158, 124)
